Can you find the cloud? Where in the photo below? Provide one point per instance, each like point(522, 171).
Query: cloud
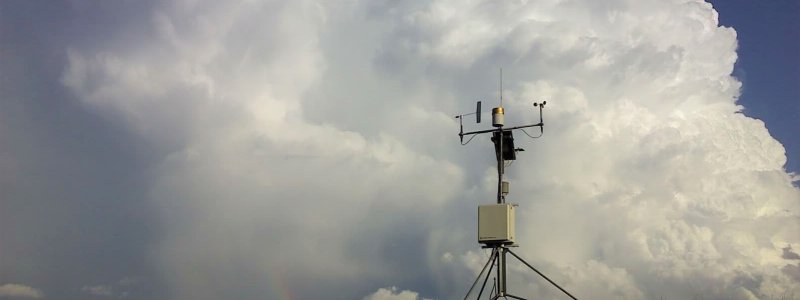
point(789, 254)
point(19, 291)
point(314, 142)
point(98, 290)
point(393, 294)
point(121, 288)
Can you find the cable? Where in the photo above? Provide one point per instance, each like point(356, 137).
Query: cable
point(533, 137)
point(469, 140)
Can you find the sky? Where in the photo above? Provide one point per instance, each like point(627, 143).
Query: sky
point(768, 66)
point(256, 149)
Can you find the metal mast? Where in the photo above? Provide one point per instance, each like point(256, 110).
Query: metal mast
point(502, 138)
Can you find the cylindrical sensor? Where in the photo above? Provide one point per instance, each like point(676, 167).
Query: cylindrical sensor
point(497, 117)
point(504, 188)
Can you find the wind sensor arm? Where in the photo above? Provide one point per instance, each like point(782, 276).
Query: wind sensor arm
point(540, 124)
point(504, 129)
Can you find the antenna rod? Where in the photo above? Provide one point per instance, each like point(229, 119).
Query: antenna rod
point(501, 87)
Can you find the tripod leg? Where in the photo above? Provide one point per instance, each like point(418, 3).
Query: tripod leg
point(515, 297)
point(487, 274)
point(491, 259)
point(540, 274)
point(493, 292)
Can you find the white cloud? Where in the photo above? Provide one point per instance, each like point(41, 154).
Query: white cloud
point(311, 141)
point(19, 291)
point(98, 290)
point(393, 294)
point(121, 288)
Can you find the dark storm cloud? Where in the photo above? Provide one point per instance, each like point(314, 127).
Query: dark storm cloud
point(73, 208)
point(793, 271)
point(789, 254)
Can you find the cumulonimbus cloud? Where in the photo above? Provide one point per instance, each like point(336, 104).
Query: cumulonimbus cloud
point(314, 142)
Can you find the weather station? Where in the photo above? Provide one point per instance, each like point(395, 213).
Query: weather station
point(496, 222)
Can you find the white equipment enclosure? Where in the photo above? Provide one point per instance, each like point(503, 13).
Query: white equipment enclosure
point(496, 224)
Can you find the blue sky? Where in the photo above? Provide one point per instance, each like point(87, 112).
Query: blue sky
point(769, 65)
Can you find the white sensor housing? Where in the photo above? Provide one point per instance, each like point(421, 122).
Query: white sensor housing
point(498, 117)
